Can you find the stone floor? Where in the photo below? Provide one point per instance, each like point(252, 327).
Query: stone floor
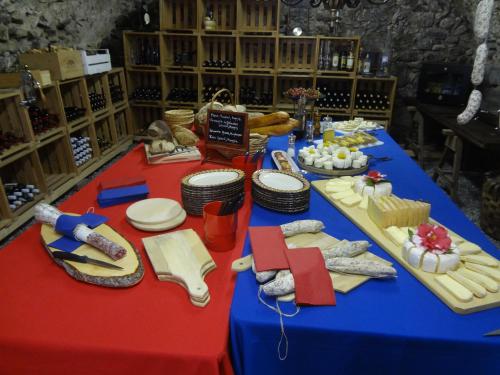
point(469, 191)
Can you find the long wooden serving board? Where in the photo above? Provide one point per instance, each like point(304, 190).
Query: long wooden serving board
point(181, 257)
point(360, 217)
point(343, 283)
point(132, 272)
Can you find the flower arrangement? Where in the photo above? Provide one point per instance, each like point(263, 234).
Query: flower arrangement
point(297, 92)
point(375, 177)
point(433, 238)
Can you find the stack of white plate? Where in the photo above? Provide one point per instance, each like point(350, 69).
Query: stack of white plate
point(180, 117)
point(201, 188)
point(155, 214)
point(280, 191)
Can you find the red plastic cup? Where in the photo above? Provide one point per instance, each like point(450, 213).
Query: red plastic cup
point(248, 167)
point(220, 231)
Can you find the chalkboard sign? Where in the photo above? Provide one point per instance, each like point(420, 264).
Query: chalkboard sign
point(226, 135)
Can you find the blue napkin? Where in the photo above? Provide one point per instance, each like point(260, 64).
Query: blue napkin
point(111, 197)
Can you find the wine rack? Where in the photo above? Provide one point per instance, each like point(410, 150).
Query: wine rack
point(143, 116)
point(55, 157)
point(257, 55)
point(224, 14)
point(76, 102)
point(106, 136)
point(178, 16)
point(143, 50)
point(45, 159)
point(145, 87)
point(99, 94)
point(336, 95)
point(181, 52)
point(15, 132)
point(374, 96)
point(258, 17)
point(244, 45)
point(86, 136)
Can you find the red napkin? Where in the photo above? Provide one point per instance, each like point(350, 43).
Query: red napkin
point(268, 247)
point(313, 285)
point(121, 182)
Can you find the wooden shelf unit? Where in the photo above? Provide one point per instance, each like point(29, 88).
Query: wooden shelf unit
point(252, 40)
point(46, 159)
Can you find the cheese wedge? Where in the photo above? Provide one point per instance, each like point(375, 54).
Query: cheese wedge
point(490, 284)
point(342, 194)
point(474, 287)
point(456, 289)
point(387, 211)
point(352, 200)
point(494, 273)
point(468, 248)
point(480, 259)
point(396, 235)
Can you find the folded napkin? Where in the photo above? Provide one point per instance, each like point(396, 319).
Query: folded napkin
point(111, 197)
point(268, 248)
point(121, 182)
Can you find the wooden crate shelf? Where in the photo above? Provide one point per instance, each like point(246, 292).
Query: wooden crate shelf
point(46, 126)
point(327, 47)
point(117, 87)
point(106, 136)
point(15, 128)
point(218, 49)
point(25, 170)
point(142, 50)
point(122, 124)
point(336, 94)
point(74, 95)
point(143, 116)
point(145, 87)
point(297, 55)
point(98, 88)
point(286, 82)
point(211, 83)
point(257, 55)
point(224, 15)
point(179, 16)
point(375, 96)
point(181, 52)
point(181, 89)
point(258, 17)
point(56, 160)
point(87, 131)
point(256, 92)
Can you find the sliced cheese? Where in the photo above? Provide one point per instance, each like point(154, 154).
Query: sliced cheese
point(347, 178)
point(396, 235)
point(342, 194)
point(338, 182)
point(337, 188)
point(490, 284)
point(480, 259)
point(415, 256)
point(474, 287)
point(456, 289)
point(468, 248)
point(364, 203)
point(448, 262)
point(352, 200)
point(430, 262)
point(494, 273)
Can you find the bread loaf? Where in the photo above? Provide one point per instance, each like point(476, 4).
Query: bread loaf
point(185, 136)
point(268, 120)
point(278, 129)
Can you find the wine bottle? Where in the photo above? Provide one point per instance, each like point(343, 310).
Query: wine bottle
point(350, 59)
point(343, 60)
point(335, 60)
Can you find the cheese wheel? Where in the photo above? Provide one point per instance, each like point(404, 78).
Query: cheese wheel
point(490, 284)
point(474, 287)
point(456, 289)
point(268, 120)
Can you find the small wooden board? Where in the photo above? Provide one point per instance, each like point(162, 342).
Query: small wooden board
point(132, 272)
point(181, 257)
point(360, 217)
point(341, 282)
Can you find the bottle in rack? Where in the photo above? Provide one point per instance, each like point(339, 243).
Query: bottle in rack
point(343, 60)
point(367, 65)
point(350, 58)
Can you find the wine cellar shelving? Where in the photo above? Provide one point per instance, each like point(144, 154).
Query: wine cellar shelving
point(41, 144)
point(245, 53)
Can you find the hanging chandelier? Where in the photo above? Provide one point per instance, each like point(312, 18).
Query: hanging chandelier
point(334, 6)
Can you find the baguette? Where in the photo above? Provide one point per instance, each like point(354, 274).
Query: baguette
point(268, 120)
point(278, 129)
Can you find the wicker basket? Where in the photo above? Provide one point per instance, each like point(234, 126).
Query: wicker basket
point(257, 142)
point(490, 207)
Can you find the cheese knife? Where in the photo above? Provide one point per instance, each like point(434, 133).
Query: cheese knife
point(84, 259)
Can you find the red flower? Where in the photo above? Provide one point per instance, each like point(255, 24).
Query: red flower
point(375, 176)
point(434, 238)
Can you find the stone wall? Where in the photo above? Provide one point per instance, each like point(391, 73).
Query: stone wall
point(420, 30)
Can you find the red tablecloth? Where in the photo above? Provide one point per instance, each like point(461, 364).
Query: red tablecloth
point(51, 323)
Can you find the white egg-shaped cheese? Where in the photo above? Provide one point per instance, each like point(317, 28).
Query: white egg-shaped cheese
point(448, 262)
point(429, 262)
point(309, 160)
point(318, 163)
point(415, 255)
point(328, 164)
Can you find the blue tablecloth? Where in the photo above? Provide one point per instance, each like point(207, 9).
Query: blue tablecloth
point(382, 327)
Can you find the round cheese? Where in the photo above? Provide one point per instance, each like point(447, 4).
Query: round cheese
point(419, 258)
point(378, 190)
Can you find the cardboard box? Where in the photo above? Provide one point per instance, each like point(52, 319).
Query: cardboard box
point(13, 80)
point(63, 64)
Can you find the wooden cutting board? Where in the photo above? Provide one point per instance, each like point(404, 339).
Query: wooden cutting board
point(341, 282)
point(181, 257)
point(132, 272)
point(360, 217)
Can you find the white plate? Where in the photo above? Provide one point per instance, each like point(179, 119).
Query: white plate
point(213, 178)
point(162, 226)
point(280, 181)
point(153, 211)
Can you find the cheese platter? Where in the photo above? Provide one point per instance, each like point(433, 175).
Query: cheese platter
point(390, 230)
